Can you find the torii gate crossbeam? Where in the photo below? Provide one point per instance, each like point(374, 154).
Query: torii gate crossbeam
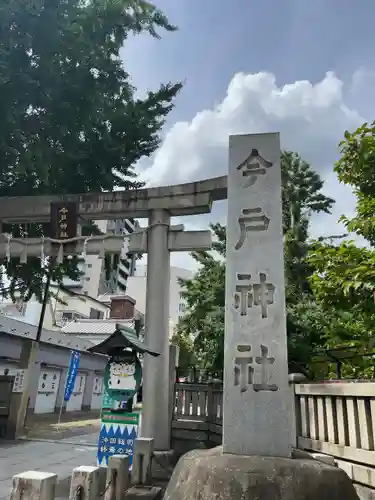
point(183, 199)
point(158, 205)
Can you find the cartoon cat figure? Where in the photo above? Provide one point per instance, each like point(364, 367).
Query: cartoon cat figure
point(121, 376)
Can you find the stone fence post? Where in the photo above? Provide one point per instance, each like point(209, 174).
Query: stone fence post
point(142, 461)
point(118, 477)
point(210, 401)
point(85, 483)
point(295, 378)
point(34, 485)
point(173, 363)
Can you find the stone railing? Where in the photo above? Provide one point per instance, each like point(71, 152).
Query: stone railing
point(334, 418)
point(199, 402)
point(197, 416)
point(338, 419)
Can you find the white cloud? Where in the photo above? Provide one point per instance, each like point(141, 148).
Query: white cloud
point(311, 119)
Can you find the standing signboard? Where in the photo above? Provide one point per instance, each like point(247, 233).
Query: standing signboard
point(120, 423)
point(117, 434)
point(121, 420)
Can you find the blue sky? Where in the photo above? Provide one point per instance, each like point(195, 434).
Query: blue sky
point(303, 68)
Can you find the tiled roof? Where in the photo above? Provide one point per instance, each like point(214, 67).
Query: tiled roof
point(95, 326)
point(21, 329)
point(123, 337)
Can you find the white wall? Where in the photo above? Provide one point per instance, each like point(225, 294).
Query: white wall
point(137, 289)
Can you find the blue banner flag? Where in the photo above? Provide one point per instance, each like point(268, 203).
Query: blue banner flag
point(72, 374)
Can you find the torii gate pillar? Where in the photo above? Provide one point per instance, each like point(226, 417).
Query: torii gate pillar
point(156, 418)
point(160, 239)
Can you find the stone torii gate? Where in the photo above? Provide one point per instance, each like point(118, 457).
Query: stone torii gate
point(158, 240)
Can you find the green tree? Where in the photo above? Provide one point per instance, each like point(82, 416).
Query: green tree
point(205, 293)
point(186, 356)
point(356, 168)
point(301, 197)
point(205, 298)
point(343, 281)
point(71, 121)
point(343, 284)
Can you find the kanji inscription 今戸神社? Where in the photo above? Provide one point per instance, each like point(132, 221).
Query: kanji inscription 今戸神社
point(257, 398)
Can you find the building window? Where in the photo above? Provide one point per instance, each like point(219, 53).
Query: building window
point(182, 307)
point(95, 314)
point(67, 315)
point(181, 295)
point(89, 266)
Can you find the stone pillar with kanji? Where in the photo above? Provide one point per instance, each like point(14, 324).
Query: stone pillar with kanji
point(257, 416)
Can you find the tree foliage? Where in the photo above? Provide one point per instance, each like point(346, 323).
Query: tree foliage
point(301, 197)
point(343, 281)
point(356, 168)
point(205, 298)
point(71, 121)
point(344, 277)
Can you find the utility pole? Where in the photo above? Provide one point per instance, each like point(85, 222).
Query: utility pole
point(63, 226)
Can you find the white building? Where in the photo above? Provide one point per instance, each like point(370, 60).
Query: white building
point(137, 286)
point(122, 268)
point(62, 307)
point(95, 279)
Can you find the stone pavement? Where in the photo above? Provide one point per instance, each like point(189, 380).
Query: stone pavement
point(58, 456)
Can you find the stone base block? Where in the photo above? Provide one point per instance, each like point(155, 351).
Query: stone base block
point(33, 485)
point(143, 492)
point(87, 478)
point(163, 463)
point(208, 474)
point(142, 458)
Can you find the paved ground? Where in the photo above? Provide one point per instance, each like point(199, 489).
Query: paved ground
point(75, 423)
point(59, 456)
point(63, 430)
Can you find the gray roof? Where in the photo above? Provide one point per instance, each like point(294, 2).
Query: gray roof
point(21, 329)
point(122, 337)
point(95, 326)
